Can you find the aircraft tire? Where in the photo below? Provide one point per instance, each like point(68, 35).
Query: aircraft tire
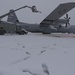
point(46, 33)
point(73, 33)
point(68, 33)
point(22, 33)
point(2, 32)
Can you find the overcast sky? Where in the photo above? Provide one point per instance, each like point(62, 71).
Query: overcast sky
point(25, 15)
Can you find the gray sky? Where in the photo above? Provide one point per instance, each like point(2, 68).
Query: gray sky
point(25, 15)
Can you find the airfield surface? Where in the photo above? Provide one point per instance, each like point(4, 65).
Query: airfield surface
point(20, 53)
point(62, 35)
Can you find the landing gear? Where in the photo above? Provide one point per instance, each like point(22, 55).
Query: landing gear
point(20, 30)
point(60, 26)
point(46, 33)
point(2, 31)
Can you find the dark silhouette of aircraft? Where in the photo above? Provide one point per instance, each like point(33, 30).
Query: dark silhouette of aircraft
point(51, 24)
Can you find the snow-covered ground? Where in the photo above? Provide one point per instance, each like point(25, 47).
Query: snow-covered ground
point(25, 54)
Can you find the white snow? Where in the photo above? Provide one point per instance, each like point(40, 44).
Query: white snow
point(25, 54)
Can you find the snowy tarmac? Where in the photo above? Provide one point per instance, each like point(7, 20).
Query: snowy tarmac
point(20, 53)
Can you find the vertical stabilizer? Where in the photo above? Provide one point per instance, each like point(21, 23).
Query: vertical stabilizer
point(12, 17)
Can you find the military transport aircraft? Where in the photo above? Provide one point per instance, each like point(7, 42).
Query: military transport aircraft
point(7, 27)
point(51, 24)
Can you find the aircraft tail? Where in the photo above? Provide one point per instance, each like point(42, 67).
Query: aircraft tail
point(12, 17)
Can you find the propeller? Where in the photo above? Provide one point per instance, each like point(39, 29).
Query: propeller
point(68, 19)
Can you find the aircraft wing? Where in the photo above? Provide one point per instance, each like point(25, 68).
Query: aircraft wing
point(57, 13)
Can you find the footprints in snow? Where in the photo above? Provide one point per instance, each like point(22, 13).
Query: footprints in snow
point(17, 61)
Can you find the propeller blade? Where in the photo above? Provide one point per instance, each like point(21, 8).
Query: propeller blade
point(66, 25)
point(69, 24)
point(66, 16)
point(68, 19)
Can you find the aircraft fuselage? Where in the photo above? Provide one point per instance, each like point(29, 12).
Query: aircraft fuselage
point(35, 28)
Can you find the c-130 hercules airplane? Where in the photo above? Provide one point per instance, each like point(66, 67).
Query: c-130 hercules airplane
point(51, 24)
